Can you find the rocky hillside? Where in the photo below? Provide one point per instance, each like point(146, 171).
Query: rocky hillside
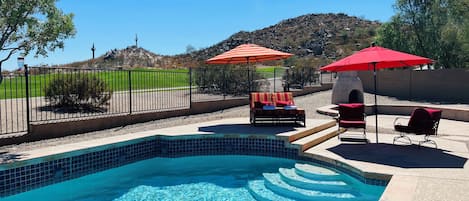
point(315, 39)
point(131, 56)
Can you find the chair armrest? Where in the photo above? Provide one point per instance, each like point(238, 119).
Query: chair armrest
point(400, 118)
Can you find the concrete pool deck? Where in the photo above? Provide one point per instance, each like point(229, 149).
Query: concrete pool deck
point(419, 173)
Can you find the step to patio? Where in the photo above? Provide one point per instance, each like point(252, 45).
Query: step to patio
point(317, 138)
point(319, 126)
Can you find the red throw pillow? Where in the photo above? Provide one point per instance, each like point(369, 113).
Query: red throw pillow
point(284, 103)
point(260, 104)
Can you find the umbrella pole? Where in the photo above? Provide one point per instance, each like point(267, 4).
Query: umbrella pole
point(376, 103)
point(249, 77)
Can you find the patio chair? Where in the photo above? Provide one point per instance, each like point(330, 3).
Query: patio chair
point(422, 121)
point(352, 115)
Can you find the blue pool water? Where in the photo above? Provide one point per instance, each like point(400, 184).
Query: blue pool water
point(222, 177)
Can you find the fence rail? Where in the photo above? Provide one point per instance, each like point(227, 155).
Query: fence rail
point(134, 91)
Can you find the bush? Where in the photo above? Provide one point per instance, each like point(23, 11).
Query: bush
point(229, 80)
point(298, 77)
point(78, 91)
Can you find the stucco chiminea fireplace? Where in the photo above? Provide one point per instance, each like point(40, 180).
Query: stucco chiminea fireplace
point(348, 88)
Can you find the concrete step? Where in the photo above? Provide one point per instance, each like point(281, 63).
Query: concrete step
point(316, 172)
point(318, 125)
point(275, 183)
point(291, 177)
point(317, 138)
point(261, 193)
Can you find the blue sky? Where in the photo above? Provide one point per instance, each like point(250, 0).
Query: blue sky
point(168, 27)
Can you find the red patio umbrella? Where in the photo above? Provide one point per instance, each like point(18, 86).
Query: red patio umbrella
point(375, 58)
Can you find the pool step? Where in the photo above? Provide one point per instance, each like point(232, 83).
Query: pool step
point(261, 193)
point(274, 182)
point(316, 172)
point(291, 177)
point(309, 182)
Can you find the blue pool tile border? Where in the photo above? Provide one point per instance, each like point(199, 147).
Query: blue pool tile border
point(52, 170)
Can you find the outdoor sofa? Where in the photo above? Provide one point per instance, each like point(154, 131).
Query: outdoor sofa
point(275, 108)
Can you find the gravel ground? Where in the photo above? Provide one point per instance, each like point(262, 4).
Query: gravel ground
point(308, 102)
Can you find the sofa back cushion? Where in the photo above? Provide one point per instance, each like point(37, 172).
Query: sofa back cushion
point(259, 99)
point(282, 98)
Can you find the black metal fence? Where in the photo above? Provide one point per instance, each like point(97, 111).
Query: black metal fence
point(31, 96)
point(131, 91)
point(13, 103)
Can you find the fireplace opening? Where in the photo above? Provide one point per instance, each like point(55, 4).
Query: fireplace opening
point(355, 96)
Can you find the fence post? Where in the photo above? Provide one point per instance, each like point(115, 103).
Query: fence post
point(249, 81)
point(130, 91)
point(190, 88)
point(28, 121)
point(287, 82)
point(320, 78)
point(275, 77)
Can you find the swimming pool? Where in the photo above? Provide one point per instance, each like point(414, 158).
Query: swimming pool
point(212, 177)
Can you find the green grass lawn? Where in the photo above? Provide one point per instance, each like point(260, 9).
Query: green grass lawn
point(117, 80)
point(142, 78)
point(271, 71)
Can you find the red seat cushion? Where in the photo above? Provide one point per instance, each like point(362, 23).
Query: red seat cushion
point(409, 129)
point(260, 104)
point(422, 121)
point(283, 103)
point(352, 112)
point(352, 124)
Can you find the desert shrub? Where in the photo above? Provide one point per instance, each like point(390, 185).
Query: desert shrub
point(230, 80)
point(78, 91)
point(298, 77)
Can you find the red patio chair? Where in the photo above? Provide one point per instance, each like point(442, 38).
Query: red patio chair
point(422, 121)
point(352, 115)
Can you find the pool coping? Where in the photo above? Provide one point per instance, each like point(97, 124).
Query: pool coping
point(66, 153)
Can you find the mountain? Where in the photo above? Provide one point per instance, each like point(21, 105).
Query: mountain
point(315, 39)
point(131, 56)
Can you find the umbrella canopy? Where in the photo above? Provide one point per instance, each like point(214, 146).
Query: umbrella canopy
point(373, 58)
point(248, 53)
point(380, 56)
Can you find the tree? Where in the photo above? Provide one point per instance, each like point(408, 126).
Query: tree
point(32, 25)
point(437, 29)
point(190, 49)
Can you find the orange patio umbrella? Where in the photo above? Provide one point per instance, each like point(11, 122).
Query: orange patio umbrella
point(248, 53)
